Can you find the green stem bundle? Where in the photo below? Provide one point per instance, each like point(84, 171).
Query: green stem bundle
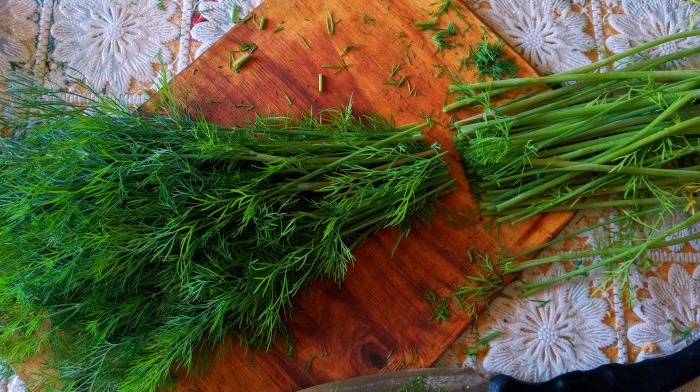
point(146, 239)
point(589, 138)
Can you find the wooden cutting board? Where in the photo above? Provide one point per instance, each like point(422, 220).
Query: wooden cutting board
point(378, 320)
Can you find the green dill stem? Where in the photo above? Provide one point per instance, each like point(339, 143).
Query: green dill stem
point(426, 24)
point(303, 41)
point(655, 242)
point(369, 219)
point(527, 101)
point(624, 128)
point(532, 288)
point(234, 14)
point(637, 214)
point(551, 200)
point(350, 156)
point(330, 23)
point(322, 184)
point(643, 138)
point(546, 116)
point(617, 254)
point(236, 65)
point(621, 186)
point(585, 205)
point(540, 187)
point(533, 101)
point(573, 77)
point(489, 337)
point(558, 165)
point(637, 49)
point(602, 158)
point(562, 113)
point(261, 25)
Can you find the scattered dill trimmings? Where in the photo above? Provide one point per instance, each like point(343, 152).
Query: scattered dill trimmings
point(134, 243)
point(627, 138)
point(489, 60)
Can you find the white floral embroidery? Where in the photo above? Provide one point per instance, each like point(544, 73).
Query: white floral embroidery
point(643, 21)
point(12, 384)
point(219, 15)
point(112, 42)
point(17, 27)
point(557, 330)
point(547, 32)
point(671, 317)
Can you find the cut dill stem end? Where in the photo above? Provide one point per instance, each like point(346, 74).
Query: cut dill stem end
point(135, 242)
point(625, 140)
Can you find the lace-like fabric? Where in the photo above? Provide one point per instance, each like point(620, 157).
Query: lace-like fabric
point(550, 35)
point(18, 30)
point(217, 20)
point(112, 43)
point(642, 21)
point(119, 46)
point(560, 330)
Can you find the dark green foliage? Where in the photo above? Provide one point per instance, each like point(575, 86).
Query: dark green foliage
point(133, 243)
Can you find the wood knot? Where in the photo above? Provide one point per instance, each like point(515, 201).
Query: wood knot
point(373, 355)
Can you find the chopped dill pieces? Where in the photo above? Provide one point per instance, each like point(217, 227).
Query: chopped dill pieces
point(489, 60)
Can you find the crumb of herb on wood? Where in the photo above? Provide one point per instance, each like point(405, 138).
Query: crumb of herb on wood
point(278, 28)
point(337, 67)
point(303, 41)
point(234, 14)
point(348, 48)
point(330, 23)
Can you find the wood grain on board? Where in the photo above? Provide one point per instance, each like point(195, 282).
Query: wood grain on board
point(378, 320)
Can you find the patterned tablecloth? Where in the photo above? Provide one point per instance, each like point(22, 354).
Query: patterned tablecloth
point(119, 46)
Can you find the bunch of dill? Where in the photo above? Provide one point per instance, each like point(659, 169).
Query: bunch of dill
point(133, 243)
point(626, 138)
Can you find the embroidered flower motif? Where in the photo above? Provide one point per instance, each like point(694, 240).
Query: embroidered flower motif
point(643, 21)
point(549, 33)
point(111, 42)
point(555, 331)
point(12, 384)
point(671, 317)
point(219, 19)
point(17, 26)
